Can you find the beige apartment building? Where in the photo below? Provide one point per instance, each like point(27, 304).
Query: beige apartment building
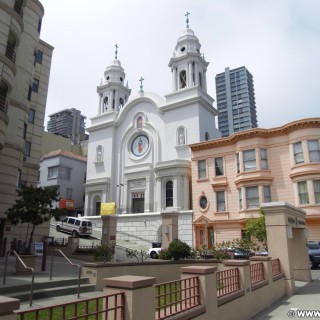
point(232, 176)
point(25, 62)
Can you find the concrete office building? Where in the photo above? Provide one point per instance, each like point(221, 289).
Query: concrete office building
point(69, 123)
point(235, 101)
point(25, 62)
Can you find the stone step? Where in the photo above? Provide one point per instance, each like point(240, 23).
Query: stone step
point(54, 283)
point(51, 292)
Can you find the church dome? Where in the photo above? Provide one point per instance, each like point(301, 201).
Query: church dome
point(115, 63)
point(187, 42)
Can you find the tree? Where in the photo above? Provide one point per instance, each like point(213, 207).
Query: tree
point(34, 206)
point(256, 227)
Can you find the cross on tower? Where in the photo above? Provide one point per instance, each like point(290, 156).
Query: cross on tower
point(116, 51)
point(187, 20)
point(141, 85)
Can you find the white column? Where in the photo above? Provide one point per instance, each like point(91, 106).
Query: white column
point(116, 102)
point(196, 74)
point(158, 195)
point(186, 194)
point(86, 205)
point(190, 74)
point(111, 101)
point(100, 104)
point(147, 196)
point(174, 79)
point(204, 80)
point(176, 189)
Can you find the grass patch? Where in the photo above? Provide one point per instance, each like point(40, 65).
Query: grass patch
point(167, 294)
point(72, 311)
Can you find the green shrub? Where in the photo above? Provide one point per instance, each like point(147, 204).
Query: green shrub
point(104, 253)
point(140, 255)
point(178, 250)
point(163, 255)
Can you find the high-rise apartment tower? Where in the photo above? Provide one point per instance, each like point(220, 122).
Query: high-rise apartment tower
point(235, 101)
point(25, 62)
point(68, 123)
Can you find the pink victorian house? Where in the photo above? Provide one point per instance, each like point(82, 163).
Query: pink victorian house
point(231, 176)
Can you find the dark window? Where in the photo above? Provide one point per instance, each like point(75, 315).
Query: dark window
point(219, 166)
point(35, 85)
point(31, 115)
point(39, 25)
point(29, 93)
point(203, 202)
point(183, 79)
point(27, 149)
point(24, 131)
point(169, 194)
point(39, 55)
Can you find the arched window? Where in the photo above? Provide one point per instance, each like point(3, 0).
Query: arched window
point(139, 122)
point(99, 155)
point(121, 103)
point(183, 79)
point(181, 136)
point(169, 194)
point(200, 79)
point(105, 103)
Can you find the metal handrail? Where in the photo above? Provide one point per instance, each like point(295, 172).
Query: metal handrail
point(25, 267)
point(73, 264)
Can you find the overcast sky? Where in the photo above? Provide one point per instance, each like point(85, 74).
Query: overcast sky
point(277, 40)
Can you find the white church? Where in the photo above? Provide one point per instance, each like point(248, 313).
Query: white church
point(138, 155)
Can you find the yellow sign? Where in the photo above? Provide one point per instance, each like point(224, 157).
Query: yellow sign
point(108, 208)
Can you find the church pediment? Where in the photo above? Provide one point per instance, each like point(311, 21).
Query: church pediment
point(202, 220)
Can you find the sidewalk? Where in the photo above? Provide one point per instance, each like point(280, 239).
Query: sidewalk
point(306, 297)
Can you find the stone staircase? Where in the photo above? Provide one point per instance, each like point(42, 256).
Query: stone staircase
point(47, 289)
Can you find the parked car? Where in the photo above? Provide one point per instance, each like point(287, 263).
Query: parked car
point(262, 252)
point(75, 226)
point(237, 253)
point(314, 254)
point(154, 251)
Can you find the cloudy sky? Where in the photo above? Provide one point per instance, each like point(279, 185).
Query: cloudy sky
point(277, 40)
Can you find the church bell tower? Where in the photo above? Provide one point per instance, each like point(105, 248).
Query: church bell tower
point(188, 65)
point(112, 91)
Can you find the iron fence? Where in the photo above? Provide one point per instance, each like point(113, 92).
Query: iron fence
point(256, 273)
point(228, 281)
point(176, 296)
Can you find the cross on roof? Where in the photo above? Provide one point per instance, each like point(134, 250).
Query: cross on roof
point(187, 20)
point(116, 51)
point(141, 85)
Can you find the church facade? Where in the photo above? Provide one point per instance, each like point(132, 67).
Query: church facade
point(138, 154)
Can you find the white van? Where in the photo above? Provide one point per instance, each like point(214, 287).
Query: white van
point(75, 226)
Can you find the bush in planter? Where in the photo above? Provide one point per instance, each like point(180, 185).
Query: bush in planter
point(140, 255)
point(104, 252)
point(163, 255)
point(178, 250)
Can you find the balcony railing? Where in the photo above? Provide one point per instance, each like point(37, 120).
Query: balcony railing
point(18, 9)
point(3, 104)
point(10, 54)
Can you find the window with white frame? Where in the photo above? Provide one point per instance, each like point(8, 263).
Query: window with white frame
point(169, 194)
point(219, 166)
point(264, 159)
point(314, 150)
point(181, 136)
point(316, 190)
point(249, 160)
point(266, 194)
point(303, 192)
point(221, 202)
point(238, 162)
point(99, 151)
point(240, 198)
point(64, 173)
point(252, 197)
point(53, 172)
point(298, 152)
point(202, 169)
